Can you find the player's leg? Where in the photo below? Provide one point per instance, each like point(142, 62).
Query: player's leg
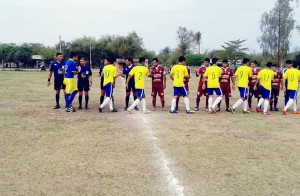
point(199, 94)
point(184, 92)
point(127, 97)
point(173, 103)
point(218, 100)
point(74, 92)
point(276, 96)
point(292, 98)
point(135, 96)
point(154, 94)
point(108, 91)
point(57, 86)
point(102, 95)
point(80, 93)
point(177, 102)
point(262, 99)
point(206, 101)
point(224, 92)
point(272, 99)
point(266, 95)
point(251, 94)
point(137, 101)
point(162, 98)
point(243, 98)
point(87, 98)
point(143, 101)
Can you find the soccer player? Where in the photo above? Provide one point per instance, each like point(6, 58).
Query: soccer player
point(289, 65)
point(131, 86)
point(71, 87)
point(139, 73)
point(159, 79)
point(102, 89)
point(213, 75)
point(177, 74)
point(202, 91)
point(227, 75)
point(109, 73)
point(292, 78)
point(252, 92)
point(57, 67)
point(186, 85)
point(243, 74)
point(276, 84)
point(265, 78)
point(84, 82)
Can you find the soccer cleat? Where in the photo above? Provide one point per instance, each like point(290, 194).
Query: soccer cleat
point(246, 112)
point(56, 107)
point(218, 110)
point(276, 110)
point(206, 109)
point(164, 109)
point(227, 110)
point(190, 112)
point(153, 109)
point(86, 107)
point(231, 110)
point(100, 109)
point(71, 107)
point(113, 110)
point(173, 111)
point(80, 107)
point(129, 111)
point(284, 112)
point(196, 109)
point(271, 109)
point(266, 113)
point(258, 109)
point(212, 110)
point(250, 110)
point(70, 110)
point(136, 108)
point(296, 112)
point(146, 112)
point(125, 108)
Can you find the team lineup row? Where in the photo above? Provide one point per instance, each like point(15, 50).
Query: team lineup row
point(263, 84)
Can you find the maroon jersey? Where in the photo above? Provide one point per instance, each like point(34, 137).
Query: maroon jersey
point(186, 81)
point(253, 80)
point(227, 73)
point(201, 72)
point(157, 75)
point(277, 79)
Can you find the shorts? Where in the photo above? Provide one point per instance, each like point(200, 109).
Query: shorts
point(253, 92)
point(140, 93)
point(180, 91)
point(59, 84)
point(131, 87)
point(265, 93)
point(226, 90)
point(244, 92)
point(70, 85)
point(292, 94)
point(211, 91)
point(83, 86)
point(157, 90)
point(201, 91)
point(275, 93)
point(109, 89)
point(101, 84)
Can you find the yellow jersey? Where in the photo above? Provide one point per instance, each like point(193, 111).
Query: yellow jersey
point(139, 72)
point(243, 73)
point(179, 72)
point(293, 77)
point(266, 77)
point(213, 74)
point(109, 74)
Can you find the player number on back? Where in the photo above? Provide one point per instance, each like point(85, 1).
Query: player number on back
point(177, 73)
point(140, 77)
point(266, 78)
point(241, 74)
point(107, 73)
point(292, 77)
point(213, 75)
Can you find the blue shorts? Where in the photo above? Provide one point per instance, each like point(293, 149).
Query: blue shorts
point(244, 92)
point(211, 91)
point(265, 93)
point(109, 89)
point(180, 91)
point(292, 94)
point(140, 93)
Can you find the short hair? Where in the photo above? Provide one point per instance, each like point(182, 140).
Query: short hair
point(207, 59)
point(155, 59)
point(73, 54)
point(110, 59)
point(254, 61)
point(82, 58)
point(289, 62)
point(129, 59)
point(269, 64)
point(214, 60)
point(295, 65)
point(246, 60)
point(181, 59)
point(57, 54)
point(225, 61)
point(274, 65)
point(142, 59)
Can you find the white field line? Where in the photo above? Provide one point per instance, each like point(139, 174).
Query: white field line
point(161, 157)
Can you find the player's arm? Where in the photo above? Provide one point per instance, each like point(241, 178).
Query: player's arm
point(165, 81)
point(205, 76)
point(49, 78)
point(197, 72)
point(171, 75)
point(90, 78)
point(257, 81)
point(187, 75)
point(232, 80)
point(128, 78)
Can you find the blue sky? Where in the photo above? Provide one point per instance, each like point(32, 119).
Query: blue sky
point(156, 21)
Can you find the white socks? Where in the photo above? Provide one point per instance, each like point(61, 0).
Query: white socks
point(210, 102)
point(260, 102)
point(105, 102)
point(135, 103)
point(266, 105)
point(217, 101)
point(237, 104)
point(245, 105)
point(173, 104)
point(144, 104)
point(111, 107)
point(289, 104)
point(295, 106)
point(187, 103)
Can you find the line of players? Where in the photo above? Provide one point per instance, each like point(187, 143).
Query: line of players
point(263, 84)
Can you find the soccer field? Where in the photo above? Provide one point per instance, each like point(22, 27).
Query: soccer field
point(51, 152)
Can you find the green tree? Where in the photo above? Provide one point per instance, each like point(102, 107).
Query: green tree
point(198, 37)
point(185, 40)
point(194, 59)
point(234, 50)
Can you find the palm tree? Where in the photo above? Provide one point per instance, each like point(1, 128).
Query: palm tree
point(198, 37)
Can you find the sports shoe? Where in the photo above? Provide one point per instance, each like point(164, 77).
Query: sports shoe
point(231, 110)
point(271, 109)
point(196, 109)
point(218, 110)
point(275, 110)
point(227, 110)
point(246, 112)
point(258, 109)
point(296, 112)
point(153, 109)
point(136, 108)
point(100, 109)
point(250, 109)
point(284, 112)
point(266, 113)
point(164, 109)
point(146, 112)
point(125, 108)
point(56, 107)
point(190, 112)
point(174, 111)
point(70, 110)
point(113, 110)
point(80, 107)
point(206, 109)
point(86, 107)
point(212, 110)
point(129, 111)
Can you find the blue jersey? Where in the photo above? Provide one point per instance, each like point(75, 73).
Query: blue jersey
point(70, 67)
point(84, 73)
point(57, 68)
point(126, 71)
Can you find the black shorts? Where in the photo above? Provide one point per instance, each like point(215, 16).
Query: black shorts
point(83, 85)
point(59, 84)
point(131, 87)
point(275, 93)
point(101, 84)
